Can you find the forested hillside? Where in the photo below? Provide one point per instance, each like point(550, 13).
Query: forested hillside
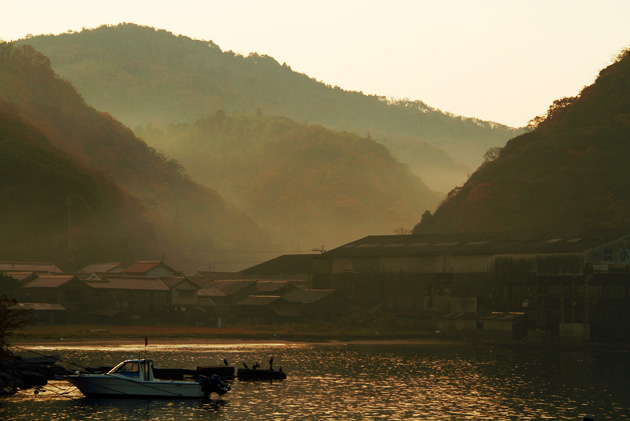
point(184, 217)
point(56, 210)
point(141, 75)
point(309, 185)
point(570, 171)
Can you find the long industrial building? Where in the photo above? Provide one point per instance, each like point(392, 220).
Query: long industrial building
point(567, 284)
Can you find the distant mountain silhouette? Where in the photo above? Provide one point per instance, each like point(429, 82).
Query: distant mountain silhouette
point(570, 171)
point(142, 75)
point(177, 217)
point(305, 183)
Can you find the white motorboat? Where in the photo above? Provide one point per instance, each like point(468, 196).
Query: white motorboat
point(134, 378)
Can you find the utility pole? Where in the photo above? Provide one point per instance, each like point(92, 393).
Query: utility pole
point(69, 203)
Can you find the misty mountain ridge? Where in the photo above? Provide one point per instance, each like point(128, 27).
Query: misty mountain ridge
point(305, 183)
point(569, 171)
point(142, 75)
point(181, 216)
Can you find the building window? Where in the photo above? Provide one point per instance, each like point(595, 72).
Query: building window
point(188, 293)
point(608, 255)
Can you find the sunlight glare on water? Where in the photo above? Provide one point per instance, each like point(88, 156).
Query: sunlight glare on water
point(355, 382)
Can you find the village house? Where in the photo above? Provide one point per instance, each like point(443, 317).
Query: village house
point(183, 304)
point(65, 290)
point(152, 269)
point(133, 297)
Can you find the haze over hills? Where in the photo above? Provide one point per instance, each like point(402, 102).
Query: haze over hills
point(142, 75)
point(570, 171)
point(308, 185)
point(45, 190)
point(179, 216)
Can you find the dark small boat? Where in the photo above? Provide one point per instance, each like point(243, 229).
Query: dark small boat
point(224, 372)
point(43, 359)
point(173, 373)
point(256, 374)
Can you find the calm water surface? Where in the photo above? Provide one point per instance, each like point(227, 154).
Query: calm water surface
point(357, 382)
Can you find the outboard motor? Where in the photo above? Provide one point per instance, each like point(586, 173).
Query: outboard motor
point(212, 384)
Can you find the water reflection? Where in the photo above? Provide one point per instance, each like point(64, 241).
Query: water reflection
point(358, 382)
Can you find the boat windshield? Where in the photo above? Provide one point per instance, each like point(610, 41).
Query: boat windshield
point(126, 368)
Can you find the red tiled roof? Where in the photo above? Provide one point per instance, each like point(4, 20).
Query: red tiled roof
point(48, 281)
point(142, 267)
point(129, 283)
point(101, 267)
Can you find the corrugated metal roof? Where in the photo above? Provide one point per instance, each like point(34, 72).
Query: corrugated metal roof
point(29, 266)
point(130, 283)
point(286, 264)
point(307, 296)
point(479, 243)
point(101, 267)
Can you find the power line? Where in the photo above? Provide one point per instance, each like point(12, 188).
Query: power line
point(248, 251)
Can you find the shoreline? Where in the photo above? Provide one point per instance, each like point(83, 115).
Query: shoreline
point(90, 342)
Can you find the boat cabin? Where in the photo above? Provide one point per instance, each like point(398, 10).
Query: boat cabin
point(137, 369)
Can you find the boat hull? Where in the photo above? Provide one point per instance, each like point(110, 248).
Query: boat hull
point(104, 385)
point(256, 374)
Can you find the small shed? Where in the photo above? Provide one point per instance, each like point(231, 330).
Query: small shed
point(497, 325)
point(267, 309)
point(45, 313)
point(318, 303)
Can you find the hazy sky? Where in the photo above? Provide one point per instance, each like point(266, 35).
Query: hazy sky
point(503, 61)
